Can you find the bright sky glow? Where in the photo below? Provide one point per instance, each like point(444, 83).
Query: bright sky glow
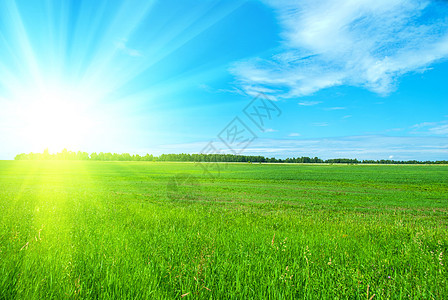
point(363, 79)
point(54, 118)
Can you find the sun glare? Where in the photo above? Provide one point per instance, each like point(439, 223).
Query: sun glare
point(54, 118)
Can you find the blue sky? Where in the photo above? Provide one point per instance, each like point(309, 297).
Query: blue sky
point(364, 79)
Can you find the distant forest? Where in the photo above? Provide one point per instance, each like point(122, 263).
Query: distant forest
point(70, 155)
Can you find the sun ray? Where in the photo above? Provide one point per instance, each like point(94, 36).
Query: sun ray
point(165, 45)
point(79, 73)
point(24, 45)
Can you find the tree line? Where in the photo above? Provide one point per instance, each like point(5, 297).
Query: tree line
point(184, 157)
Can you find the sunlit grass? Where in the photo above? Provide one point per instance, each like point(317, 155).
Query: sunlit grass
point(108, 230)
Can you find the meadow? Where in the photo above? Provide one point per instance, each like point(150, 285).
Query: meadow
point(149, 230)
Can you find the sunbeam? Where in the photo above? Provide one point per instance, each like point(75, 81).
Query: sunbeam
point(72, 63)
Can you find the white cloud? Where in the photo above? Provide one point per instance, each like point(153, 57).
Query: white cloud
point(121, 45)
point(335, 108)
point(309, 103)
point(294, 134)
point(393, 129)
point(270, 130)
point(320, 124)
point(351, 42)
point(432, 128)
point(442, 130)
point(424, 124)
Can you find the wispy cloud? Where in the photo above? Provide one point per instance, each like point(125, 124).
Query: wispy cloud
point(294, 134)
point(270, 130)
point(335, 108)
point(442, 129)
point(121, 45)
point(309, 103)
point(424, 124)
point(394, 129)
point(432, 128)
point(360, 43)
point(320, 124)
point(233, 90)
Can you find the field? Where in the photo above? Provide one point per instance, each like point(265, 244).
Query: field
point(164, 230)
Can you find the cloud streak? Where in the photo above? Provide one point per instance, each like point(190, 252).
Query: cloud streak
point(121, 45)
point(320, 124)
point(309, 103)
point(335, 108)
point(362, 43)
point(431, 128)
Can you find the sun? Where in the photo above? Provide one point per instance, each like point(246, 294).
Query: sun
point(54, 117)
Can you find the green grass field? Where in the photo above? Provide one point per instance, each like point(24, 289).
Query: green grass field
point(111, 230)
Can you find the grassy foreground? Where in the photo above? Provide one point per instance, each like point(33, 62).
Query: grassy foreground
point(138, 230)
